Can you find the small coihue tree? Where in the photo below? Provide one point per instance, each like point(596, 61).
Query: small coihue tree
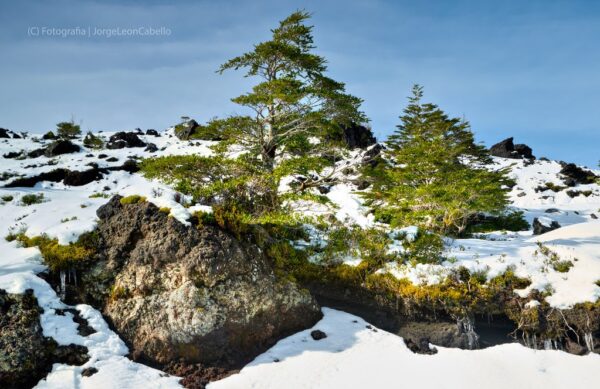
point(435, 175)
point(68, 130)
point(294, 106)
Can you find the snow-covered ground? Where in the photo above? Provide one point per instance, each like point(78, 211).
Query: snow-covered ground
point(352, 355)
point(355, 356)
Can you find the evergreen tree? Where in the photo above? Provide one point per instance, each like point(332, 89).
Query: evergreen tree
point(294, 106)
point(434, 176)
point(68, 130)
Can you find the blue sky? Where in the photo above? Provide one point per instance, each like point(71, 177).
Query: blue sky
point(528, 69)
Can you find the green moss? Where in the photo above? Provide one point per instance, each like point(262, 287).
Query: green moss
point(32, 198)
point(57, 256)
point(133, 199)
point(166, 210)
point(7, 198)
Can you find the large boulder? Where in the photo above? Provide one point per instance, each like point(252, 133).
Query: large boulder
point(507, 149)
point(61, 147)
point(186, 293)
point(4, 133)
point(26, 355)
point(123, 139)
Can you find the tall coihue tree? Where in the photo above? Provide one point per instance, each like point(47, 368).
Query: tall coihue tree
point(435, 174)
point(294, 106)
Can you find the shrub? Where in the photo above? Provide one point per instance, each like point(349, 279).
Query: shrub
point(32, 198)
point(510, 221)
point(562, 266)
point(133, 199)
point(7, 198)
point(99, 195)
point(92, 141)
point(61, 257)
point(426, 247)
point(68, 130)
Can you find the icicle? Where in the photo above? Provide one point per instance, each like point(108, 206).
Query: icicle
point(465, 326)
point(63, 284)
point(589, 341)
point(75, 277)
point(548, 344)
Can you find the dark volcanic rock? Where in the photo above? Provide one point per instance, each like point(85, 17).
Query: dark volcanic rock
point(124, 139)
point(79, 178)
point(11, 155)
point(185, 130)
point(421, 346)
point(189, 294)
point(357, 136)
point(61, 147)
point(89, 371)
point(574, 175)
point(26, 356)
point(445, 334)
point(151, 148)
point(152, 132)
point(318, 334)
point(507, 149)
point(541, 228)
point(4, 133)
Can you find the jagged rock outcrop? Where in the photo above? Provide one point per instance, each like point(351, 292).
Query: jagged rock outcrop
point(189, 294)
point(507, 149)
point(26, 355)
point(4, 133)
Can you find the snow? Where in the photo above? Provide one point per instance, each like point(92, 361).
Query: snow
point(354, 356)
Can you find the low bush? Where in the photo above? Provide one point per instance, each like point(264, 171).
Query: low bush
point(32, 198)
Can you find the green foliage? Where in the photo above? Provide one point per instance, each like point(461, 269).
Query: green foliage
point(434, 176)
point(562, 266)
point(92, 141)
point(133, 199)
point(98, 195)
point(7, 198)
point(218, 181)
point(68, 130)
point(426, 247)
point(57, 256)
point(32, 198)
point(294, 100)
point(507, 221)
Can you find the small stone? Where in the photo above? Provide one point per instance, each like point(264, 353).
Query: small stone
point(89, 371)
point(318, 335)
